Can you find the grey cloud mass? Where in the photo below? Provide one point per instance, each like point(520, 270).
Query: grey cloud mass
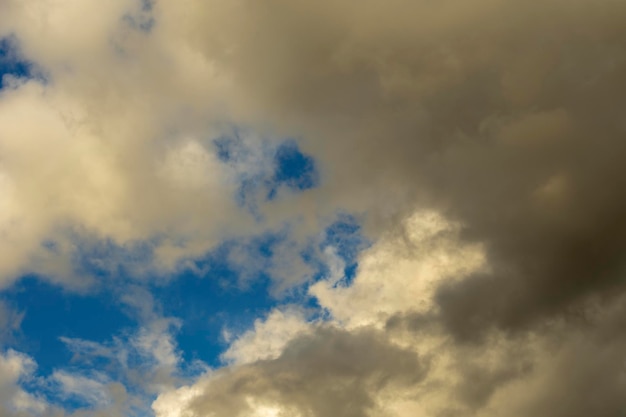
point(505, 116)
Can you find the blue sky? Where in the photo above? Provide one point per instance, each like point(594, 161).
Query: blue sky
point(11, 63)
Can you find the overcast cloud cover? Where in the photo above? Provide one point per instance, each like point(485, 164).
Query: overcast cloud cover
point(401, 208)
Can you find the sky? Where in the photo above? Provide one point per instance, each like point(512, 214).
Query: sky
point(234, 208)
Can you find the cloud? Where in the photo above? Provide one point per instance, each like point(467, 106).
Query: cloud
point(268, 337)
point(481, 141)
point(315, 375)
point(460, 107)
point(14, 400)
point(372, 357)
point(122, 374)
point(10, 321)
point(91, 390)
point(396, 276)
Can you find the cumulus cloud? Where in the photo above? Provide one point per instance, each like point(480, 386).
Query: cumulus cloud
point(325, 373)
point(372, 356)
point(482, 141)
point(501, 115)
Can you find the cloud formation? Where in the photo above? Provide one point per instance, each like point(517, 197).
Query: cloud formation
point(501, 115)
point(481, 141)
point(372, 357)
point(325, 373)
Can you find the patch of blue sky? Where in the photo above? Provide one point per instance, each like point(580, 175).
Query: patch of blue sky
point(51, 313)
point(238, 286)
point(346, 237)
point(230, 296)
point(294, 169)
point(121, 360)
point(84, 335)
point(11, 61)
point(267, 169)
point(208, 308)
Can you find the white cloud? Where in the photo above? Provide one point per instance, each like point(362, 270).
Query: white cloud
point(268, 337)
point(16, 367)
point(173, 403)
point(91, 389)
point(155, 342)
point(191, 165)
point(401, 276)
